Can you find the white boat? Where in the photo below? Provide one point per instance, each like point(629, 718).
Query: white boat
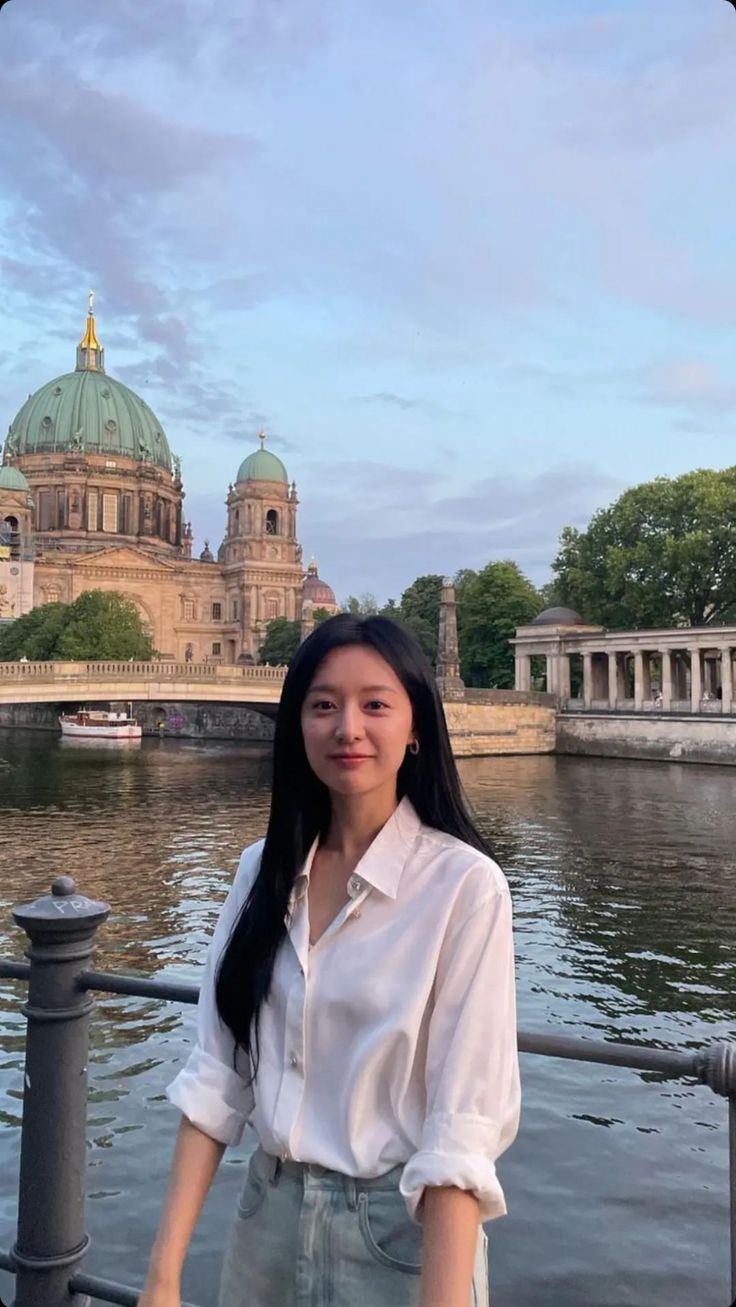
point(100, 724)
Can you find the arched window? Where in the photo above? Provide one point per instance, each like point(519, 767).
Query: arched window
point(10, 536)
point(272, 522)
point(272, 609)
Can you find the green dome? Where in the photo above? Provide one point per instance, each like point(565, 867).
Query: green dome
point(90, 412)
point(262, 466)
point(12, 479)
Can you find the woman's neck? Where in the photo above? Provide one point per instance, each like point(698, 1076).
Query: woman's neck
point(356, 820)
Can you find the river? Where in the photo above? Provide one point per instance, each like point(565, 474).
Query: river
point(623, 876)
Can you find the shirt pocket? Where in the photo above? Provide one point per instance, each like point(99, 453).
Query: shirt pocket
point(389, 1233)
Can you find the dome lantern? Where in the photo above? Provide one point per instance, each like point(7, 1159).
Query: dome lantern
point(90, 353)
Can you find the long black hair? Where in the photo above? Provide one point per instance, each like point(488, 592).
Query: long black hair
point(300, 806)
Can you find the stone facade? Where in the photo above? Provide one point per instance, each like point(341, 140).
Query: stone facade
point(103, 509)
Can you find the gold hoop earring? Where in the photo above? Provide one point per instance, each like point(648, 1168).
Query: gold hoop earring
point(413, 747)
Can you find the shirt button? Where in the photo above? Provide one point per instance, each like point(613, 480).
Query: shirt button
point(356, 914)
point(355, 885)
point(293, 1060)
point(284, 1156)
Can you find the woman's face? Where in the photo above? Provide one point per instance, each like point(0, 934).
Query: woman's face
point(356, 722)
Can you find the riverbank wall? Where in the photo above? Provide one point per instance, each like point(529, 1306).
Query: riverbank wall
point(485, 723)
point(701, 738)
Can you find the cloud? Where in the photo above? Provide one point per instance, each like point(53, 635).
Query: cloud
point(380, 525)
point(388, 397)
point(692, 384)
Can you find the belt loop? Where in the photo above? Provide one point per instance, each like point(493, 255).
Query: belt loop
point(351, 1192)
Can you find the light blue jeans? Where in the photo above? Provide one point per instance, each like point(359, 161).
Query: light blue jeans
point(304, 1236)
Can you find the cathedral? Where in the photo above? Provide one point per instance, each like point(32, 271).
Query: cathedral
point(91, 498)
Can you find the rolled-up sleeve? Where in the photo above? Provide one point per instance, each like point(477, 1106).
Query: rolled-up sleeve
point(208, 1090)
point(472, 1069)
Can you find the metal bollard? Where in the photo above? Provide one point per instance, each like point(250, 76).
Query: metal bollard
point(718, 1069)
point(52, 1238)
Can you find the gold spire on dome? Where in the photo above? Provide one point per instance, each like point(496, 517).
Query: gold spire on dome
point(90, 353)
point(262, 438)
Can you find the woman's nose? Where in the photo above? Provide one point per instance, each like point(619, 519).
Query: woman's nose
point(348, 726)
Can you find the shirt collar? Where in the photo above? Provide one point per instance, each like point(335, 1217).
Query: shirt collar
point(383, 861)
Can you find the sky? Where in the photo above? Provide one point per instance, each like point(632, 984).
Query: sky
point(470, 263)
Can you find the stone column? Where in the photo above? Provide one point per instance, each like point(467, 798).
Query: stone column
point(563, 675)
point(447, 671)
point(550, 678)
point(613, 680)
point(696, 679)
point(726, 680)
point(666, 679)
point(587, 680)
point(523, 678)
point(638, 680)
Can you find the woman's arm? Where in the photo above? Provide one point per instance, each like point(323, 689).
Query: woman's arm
point(195, 1162)
point(450, 1223)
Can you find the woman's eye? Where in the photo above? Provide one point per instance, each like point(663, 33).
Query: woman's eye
point(376, 704)
point(321, 705)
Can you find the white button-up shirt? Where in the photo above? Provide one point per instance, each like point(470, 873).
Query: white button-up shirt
point(393, 1038)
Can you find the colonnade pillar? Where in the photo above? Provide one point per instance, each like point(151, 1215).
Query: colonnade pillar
point(666, 678)
point(587, 680)
point(726, 680)
point(523, 676)
point(696, 679)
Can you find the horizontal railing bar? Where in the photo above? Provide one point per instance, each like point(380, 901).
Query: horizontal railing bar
point(107, 1290)
point(102, 1290)
point(637, 1057)
point(110, 982)
point(14, 970)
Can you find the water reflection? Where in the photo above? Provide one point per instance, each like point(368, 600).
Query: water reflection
point(624, 884)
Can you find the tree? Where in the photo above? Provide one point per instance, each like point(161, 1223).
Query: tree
point(664, 554)
point(365, 605)
point(419, 610)
point(99, 624)
point(281, 643)
point(492, 603)
point(103, 624)
point(320, 615)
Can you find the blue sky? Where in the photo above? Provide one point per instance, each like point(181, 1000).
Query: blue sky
point(471, 264)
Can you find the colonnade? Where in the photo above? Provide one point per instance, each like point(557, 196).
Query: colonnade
point(671, 676)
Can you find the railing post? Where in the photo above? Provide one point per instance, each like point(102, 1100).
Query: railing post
point(718, 1069)
point(52, 1238)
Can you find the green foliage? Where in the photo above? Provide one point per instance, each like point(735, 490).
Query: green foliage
point(281, 643)
point(99, 624)
point(419, 610)
point(491, 604)
point(102, 624)
point(662, 555)
point(365, 605)
point(321, 615)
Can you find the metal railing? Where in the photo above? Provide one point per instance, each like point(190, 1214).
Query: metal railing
point(52, 1239)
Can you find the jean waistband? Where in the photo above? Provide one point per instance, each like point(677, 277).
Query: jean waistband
point(275, 1168)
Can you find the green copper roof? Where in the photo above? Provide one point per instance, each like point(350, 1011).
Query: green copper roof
point(262, 466)
point(12, 479)
point(90, 412)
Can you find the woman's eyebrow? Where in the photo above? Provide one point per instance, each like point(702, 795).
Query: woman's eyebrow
point(366, 689)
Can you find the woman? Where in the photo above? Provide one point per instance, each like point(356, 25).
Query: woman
point(357, 1008)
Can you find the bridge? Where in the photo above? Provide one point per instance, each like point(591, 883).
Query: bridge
point(95, 682)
